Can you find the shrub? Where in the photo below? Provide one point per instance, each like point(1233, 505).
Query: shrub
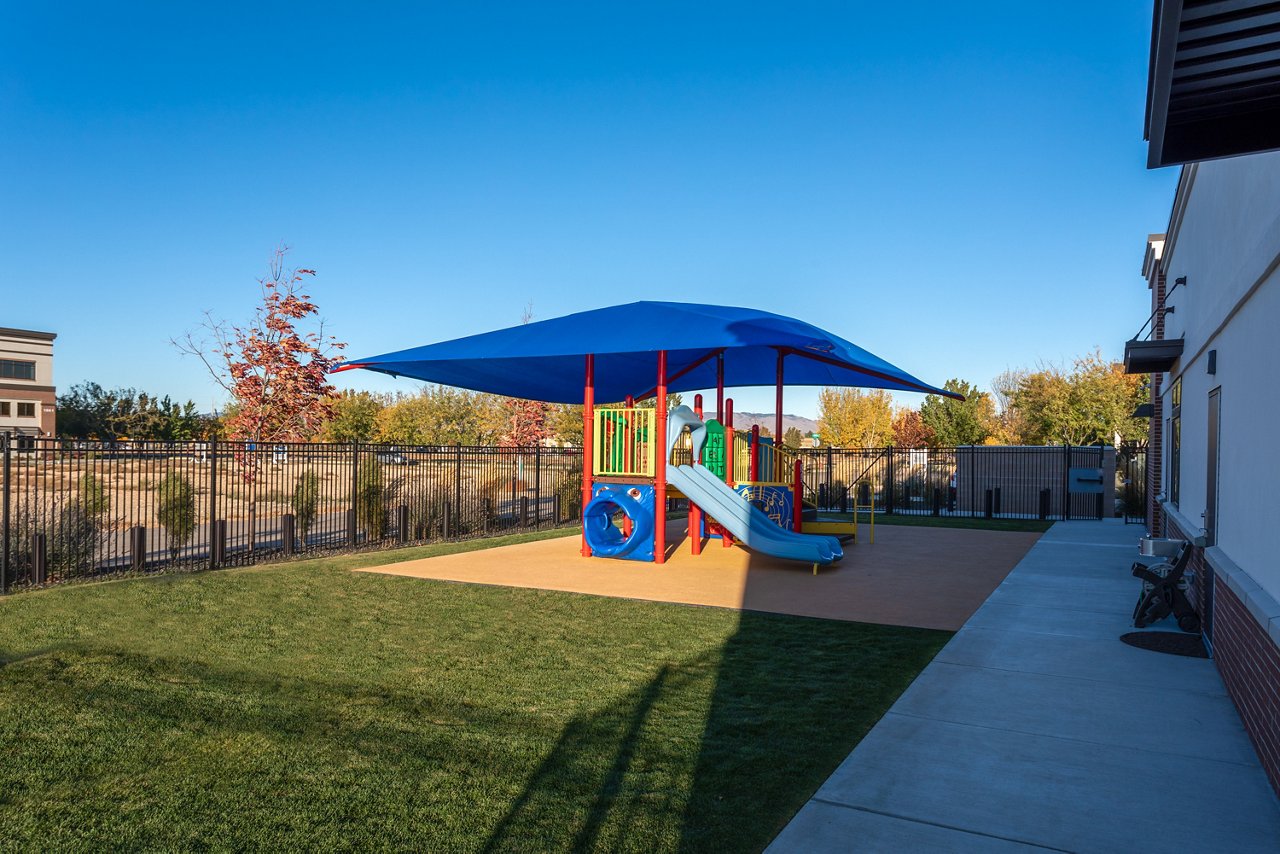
point(371, 506)
point(176, 509)
point(93, 495)
point(71, 536)
point(569, 490)
point(306, 502)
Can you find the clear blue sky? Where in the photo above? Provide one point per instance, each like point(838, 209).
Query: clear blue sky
point(958, 187)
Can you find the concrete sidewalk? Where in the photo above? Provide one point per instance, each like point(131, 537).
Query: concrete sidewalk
point(1035, 728)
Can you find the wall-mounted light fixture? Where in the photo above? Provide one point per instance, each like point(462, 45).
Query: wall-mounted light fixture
point(1181, 280)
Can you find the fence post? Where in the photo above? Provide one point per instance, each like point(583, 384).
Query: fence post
point(1066, 482)
point(973, 481)
point(39, 559)
point(353, 523)
point(287, 532)
point(555, 510)
point(537, 485)
point(218, 548)
point(138, 545)
point(826, 505)
point(4, 522)
point(457, 483)
point(213, 501)
point(888, 504)
point(402, 523)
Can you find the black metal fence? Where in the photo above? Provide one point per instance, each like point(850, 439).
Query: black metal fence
point(74, 509)
point(1041, 482)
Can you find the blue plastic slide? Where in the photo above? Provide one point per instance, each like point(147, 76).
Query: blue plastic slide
point(748, 524)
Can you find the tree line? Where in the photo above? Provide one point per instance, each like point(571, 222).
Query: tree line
point(1090, 402)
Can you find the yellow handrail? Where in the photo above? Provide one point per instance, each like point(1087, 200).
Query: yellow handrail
point(777, 465)
point(622, 442)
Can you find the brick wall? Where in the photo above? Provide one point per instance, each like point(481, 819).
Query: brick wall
point(1155, 431)
point(1250, 665)
point(1245, 655)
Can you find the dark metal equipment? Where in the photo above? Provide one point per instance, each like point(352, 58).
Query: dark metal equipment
point(1164, 593)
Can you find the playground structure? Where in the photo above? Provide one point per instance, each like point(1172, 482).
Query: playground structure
point(740, 486)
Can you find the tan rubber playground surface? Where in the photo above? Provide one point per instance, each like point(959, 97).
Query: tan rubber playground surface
point(912, 576)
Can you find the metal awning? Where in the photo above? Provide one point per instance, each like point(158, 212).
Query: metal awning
point(1151, 357)
point(1213, 88)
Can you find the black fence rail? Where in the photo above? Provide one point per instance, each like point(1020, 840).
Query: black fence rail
point(74, 509)
point(1042, 482)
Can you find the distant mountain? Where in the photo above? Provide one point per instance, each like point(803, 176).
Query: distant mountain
point(744, 420)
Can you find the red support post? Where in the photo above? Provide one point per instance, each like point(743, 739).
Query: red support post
point(777, 431)
point(720, 388)
point(725, 539)
point(695, 512)
point(797, 503)
point(728, 442)
point(659, 443)
point(588, 417)
point(631, 436)
point(754, 468)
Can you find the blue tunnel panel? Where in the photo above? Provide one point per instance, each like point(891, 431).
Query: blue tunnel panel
point(636, 502)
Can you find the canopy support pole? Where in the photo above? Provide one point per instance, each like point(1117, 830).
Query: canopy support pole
point(660, 464)
point(720, 387)
point(588, 442)
point(695, 512)
point(777, 432)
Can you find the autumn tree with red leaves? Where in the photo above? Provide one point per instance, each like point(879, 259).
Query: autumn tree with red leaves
point(909, 429)
point(275, 372)
point(524, 421)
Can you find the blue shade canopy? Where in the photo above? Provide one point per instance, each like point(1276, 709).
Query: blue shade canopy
point(544, 360)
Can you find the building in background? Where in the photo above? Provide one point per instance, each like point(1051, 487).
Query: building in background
point(1214, 463)
point(28, 399)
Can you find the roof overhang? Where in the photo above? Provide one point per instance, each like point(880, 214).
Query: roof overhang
point(1151, 357)
point(1213, 87)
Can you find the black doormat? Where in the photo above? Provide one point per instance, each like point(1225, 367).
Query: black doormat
point(1173, 643)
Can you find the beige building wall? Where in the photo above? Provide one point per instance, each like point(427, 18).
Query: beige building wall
point(27, 404)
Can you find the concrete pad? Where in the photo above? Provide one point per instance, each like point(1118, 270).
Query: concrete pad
point(1055, 792)
point(1095, 659)
point(1036, 724)
point(1049, 619)
point(834, 827)
point(912, 576)
point(1064, 597)
point(1084, 710)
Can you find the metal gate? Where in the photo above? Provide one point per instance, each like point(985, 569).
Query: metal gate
point(1131, 481)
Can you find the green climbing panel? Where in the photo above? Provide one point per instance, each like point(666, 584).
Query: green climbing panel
point(713, 450)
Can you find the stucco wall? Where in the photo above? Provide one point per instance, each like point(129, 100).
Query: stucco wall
point(1227, 241)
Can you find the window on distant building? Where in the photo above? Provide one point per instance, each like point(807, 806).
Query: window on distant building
point(5, 411)
point(26, 410)
point(1175, 442)
point(11, 369)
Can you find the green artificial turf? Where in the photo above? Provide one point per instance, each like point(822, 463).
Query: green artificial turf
point(302, 706)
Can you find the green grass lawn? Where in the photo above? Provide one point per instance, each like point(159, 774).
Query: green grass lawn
point(302, 706)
